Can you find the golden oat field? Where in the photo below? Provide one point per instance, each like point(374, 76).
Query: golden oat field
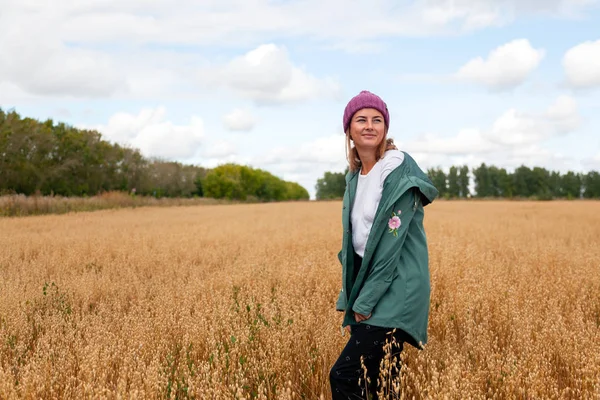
point(237, 302)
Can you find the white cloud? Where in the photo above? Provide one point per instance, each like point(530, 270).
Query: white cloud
point(220, 149)
point(305, 163)
point(592, 163)
point(155, 136)
point(469, 15)
point(505, 67)
point(328, 151)
point(65, 49)
point(208, 161)
point(239, 120)
point(507, 137)
point(36, 61)
point(467, 141)
point(509, 158)
point(533, 155)
point(149, 81)
point(518, 128)
point(211, 22)
point(513, 139)
point(582, 64)
point(12, 94)
point(267, 75)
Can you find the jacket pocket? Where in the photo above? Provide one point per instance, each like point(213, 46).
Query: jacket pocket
point(393, 275)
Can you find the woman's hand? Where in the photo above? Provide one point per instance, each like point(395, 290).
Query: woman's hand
point(359, 317)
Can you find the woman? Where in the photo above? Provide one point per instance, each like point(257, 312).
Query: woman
point(385, 267)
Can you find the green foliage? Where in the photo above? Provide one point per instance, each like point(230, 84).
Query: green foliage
point(591, 185)
point(44, 158)
point(483, 185)
point(296, 192)
point(438, 178)
point(536, 183)
point(239, 182)
point(331, 186)
point(224, 182)
point(463, 181)
point(490, 181)
point(570, 185)
point(453, 183)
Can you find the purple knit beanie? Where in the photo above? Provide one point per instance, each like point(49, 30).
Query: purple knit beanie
point(365, 99)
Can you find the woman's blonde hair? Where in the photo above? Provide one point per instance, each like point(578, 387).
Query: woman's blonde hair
point(353, 158)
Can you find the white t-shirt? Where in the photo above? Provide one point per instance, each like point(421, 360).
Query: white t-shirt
point(368, 194)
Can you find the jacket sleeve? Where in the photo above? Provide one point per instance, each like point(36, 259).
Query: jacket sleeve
point(340, 304)
point(389, 250)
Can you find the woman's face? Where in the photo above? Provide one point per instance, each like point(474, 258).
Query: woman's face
point(367, 129)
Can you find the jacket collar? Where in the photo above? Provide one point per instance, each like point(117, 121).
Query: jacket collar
point(351, 175)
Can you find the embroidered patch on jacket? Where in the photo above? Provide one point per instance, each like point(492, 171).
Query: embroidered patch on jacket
point(394, 223)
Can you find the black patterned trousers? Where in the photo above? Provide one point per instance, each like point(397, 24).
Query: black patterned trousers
point(367, 341)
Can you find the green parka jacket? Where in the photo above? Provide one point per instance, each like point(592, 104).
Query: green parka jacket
point(393, 282)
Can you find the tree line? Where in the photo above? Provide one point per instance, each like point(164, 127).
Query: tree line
point(490, 181)
point(48, 158)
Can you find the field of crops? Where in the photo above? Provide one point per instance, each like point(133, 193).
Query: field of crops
point(237, 301)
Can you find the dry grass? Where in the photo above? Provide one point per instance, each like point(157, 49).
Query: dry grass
point(18, 205)
point(224, 302)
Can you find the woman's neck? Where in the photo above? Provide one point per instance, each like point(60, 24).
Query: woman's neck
point(367, 161)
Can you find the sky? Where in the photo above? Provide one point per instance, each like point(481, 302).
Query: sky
point(265, 83)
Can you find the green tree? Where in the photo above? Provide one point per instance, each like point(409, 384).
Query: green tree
point(591, 185)
point(199, 177)
point(296, 192)
point(49, 158)
point(463, 181)
point(571, 184)
point(132, 171)
point(438, 178)
point(453, 182)
point(331, 186)
point(272, 188)
point(237, 182)
point(523, 182)
point(171, 179)
point(504, 183)
point(483, 182)
point(224, 182)
point(541, 183)
point(555, 184)
point(24, 144)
